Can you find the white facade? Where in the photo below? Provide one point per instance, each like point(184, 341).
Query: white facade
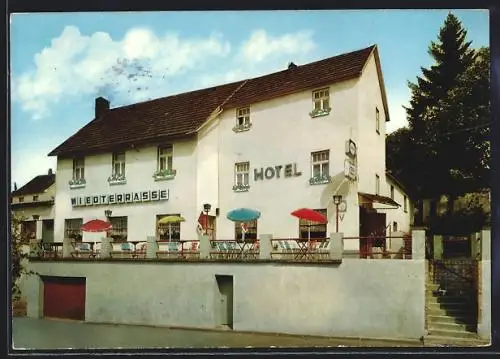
point(282, 133)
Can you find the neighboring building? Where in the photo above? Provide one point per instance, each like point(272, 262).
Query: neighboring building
point(34, 202)
point(275, 143)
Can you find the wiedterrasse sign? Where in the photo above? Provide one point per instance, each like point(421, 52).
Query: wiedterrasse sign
point(120, 198)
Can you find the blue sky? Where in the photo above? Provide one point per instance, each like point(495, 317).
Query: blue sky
point(60, 62)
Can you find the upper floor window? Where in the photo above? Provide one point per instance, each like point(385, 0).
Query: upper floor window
point(320, 167)
point(405, 204)
point(164, 168)
point(377, 184)
point(392, 192)
point(118, 168)
point(35, 198)
point(242, 120)
point(78, 179)
point(21, 199)
point(377, 120)
point(321, 102)
point(241, 177)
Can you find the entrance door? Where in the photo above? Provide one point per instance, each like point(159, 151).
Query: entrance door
point(371, 224)
point(224, 300)
point(64, 297)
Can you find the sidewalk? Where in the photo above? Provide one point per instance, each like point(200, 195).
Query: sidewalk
point(28, 333)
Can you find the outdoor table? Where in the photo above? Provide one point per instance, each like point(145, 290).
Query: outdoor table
point(304, 251)
point(245, 243)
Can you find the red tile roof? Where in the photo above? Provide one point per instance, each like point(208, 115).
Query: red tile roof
point(181, 115)
point(36, 185)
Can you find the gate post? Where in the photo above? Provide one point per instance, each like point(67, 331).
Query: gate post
point(438, 247)
point(418, 244)
point(484, 286)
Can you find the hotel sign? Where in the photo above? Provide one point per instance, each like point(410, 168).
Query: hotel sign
point(289, 170)
point(120, 198)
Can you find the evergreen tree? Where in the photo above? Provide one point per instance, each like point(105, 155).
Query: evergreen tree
point(445, 150)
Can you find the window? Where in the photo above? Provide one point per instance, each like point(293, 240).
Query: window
point(394, 226)
point(321, 102)
point(241, 176)
point(28, 230)
point(78, 179)
point(405, 204)
point(117, 169)
point(320, 167)
point(21, 199)
point(119, 164)
point(78, 169)
point(72, 229)
point(317, 230)
point(119, 228)
point(168, 232)
point(242, 120)
point(377, 184)
point(392, 192)
point(377, 120)
point(250, 227)
point(164, 168)
point(35, 198)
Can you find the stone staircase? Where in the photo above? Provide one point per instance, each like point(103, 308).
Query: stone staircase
point(451, 317)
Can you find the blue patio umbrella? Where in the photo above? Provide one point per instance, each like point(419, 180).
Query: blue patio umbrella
point(243, 215)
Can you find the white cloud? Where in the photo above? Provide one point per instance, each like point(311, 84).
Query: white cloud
point(76, 64)
point(261, 46)
point(262, 53)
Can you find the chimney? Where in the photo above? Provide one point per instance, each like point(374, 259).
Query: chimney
point(101, 106)
point(15, 186)
point(50, 171)
point(291, 66)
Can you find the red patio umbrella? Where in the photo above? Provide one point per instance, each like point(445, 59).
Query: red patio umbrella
point(309, 215)
point(96, 225)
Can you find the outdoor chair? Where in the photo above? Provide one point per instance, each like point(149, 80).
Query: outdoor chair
point(125, 251)
point(81, 250)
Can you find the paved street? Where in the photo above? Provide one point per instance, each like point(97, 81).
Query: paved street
point(31, 333)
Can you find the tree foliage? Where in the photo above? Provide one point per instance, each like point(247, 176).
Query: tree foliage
point(19, 256)
point(445, 148)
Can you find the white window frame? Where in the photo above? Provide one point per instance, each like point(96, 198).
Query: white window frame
point(321, 102)
point(243, 116)
point(118, 163)
point(377, 184)
point(243, 120)
point(79, 169)
point(35, 198)
point(21, 199)
point(165, 153)
point(320, 158)
point(241, 176)
point(377, 120)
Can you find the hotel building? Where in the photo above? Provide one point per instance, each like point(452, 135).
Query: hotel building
point(275, 143)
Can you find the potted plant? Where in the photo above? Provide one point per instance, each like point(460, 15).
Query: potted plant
point(19, 267)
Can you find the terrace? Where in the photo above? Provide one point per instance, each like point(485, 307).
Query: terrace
point(297, 250)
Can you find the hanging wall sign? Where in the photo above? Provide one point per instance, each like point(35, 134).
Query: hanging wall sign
point(289, 170)
point(120, 198)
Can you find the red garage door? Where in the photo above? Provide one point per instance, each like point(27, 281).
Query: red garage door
point(64, 297)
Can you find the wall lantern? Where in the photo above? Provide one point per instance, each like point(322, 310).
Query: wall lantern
point(108, 213)
point(337, 199)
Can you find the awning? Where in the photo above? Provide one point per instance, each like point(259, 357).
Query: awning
point(367, 197)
